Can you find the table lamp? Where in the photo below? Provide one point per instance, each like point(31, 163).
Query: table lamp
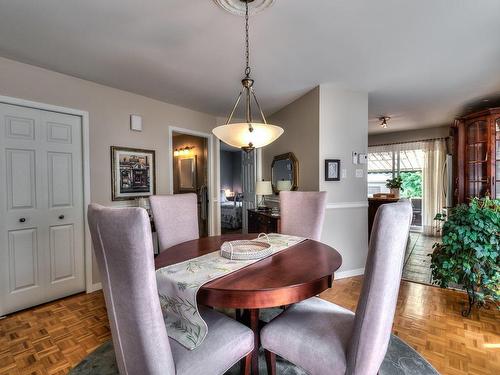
point(263, 188)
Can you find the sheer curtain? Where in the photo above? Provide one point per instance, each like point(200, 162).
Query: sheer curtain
point(433, 183)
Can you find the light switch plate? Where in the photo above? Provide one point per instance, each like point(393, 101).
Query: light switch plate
point(136, 123)
point(359, 173)
point(343, 173)
point(363, 158)
point(354, 157)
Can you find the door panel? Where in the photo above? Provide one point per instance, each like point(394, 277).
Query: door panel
point(41, 207)
point(59, 133)
point(62, 258)
point(23, 259)
point(20, 179)
point(20, 128)
point(60, 168)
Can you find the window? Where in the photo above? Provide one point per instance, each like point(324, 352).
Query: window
point(407, 163)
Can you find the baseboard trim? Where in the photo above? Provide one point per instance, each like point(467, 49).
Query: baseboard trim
point(349, 273)
point(359, 204)
point(94, 288)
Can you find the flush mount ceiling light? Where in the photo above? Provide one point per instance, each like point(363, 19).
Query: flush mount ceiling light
point(247, 135)
point(383, 121)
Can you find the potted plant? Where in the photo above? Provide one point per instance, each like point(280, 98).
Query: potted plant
point(395, 184)
point(469, 253)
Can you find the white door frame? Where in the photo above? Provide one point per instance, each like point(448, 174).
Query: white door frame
point(212, 223)
point(84, 115)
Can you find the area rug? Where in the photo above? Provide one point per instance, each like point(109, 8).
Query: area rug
point(399, 360)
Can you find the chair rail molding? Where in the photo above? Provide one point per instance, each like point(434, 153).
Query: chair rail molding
point(336, 205)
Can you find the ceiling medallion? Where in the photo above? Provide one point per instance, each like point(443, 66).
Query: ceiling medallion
point(237, 7)
point(250, 134)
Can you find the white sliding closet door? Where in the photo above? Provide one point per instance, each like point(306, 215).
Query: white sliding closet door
point(41, 207)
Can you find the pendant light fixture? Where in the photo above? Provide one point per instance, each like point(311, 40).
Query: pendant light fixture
point(247, 135)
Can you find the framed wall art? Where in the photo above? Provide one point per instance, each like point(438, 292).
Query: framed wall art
point(132, 173)
point(332, 170)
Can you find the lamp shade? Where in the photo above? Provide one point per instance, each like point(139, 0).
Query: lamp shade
point(239, 135)
point(284, 185)
point(263, 188)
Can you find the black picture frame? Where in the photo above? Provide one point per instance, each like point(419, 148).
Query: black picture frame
point(332, 169)
point(146, 166)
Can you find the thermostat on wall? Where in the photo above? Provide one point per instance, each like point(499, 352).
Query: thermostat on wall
point(136, 123)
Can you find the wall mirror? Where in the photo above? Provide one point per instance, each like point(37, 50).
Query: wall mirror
point(187, 174)
point(285, 172)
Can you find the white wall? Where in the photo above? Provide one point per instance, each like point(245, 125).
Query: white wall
point(329, 123)
point(343, 128)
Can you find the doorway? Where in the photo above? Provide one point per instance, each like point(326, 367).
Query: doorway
point(231, 193)
point(42, 246)
point(238, 175)
point(190, 166)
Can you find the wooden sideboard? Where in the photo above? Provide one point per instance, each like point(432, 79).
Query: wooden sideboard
point(373, 205)
point(263, 222)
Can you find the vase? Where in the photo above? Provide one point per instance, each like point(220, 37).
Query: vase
point(395, 191)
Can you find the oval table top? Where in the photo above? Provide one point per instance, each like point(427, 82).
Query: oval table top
point(292, 275)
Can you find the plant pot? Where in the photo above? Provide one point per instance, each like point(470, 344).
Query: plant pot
point(395, 191)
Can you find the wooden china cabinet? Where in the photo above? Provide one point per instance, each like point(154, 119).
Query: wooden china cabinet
point(477, 155)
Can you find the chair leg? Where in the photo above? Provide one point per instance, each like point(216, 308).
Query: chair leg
point(246, 364)
point(270, 362)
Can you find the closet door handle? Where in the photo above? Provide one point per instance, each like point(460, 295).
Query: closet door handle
point(22, 220)
point(61, 217)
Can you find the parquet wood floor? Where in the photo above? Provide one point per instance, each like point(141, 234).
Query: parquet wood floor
point(52, 338)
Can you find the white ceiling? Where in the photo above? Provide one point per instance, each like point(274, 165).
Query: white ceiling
point(422, 61)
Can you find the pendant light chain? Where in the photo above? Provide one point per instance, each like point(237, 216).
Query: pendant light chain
point(243, 134)
point(247, 43)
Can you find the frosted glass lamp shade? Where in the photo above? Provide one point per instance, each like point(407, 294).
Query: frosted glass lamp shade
point(263, 188)
point(239, 135)
point(284, 185)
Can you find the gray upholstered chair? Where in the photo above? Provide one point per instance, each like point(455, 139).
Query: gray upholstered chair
point(324, 338)
point(176, 218)
point(123, 248)
point(302, 213)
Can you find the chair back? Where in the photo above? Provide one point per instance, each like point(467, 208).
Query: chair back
point(124, 250)
point(302, 213)
point(379, 294)
point(176, 218)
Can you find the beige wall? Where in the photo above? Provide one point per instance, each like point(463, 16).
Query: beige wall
point(330, 123)
point(343, 129)
point(109, 110)
point(408, 135)
point(300, 120)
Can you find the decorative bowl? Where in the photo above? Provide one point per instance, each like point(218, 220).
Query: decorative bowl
point(246, 249)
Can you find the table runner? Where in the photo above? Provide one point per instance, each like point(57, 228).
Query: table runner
point(178, 285)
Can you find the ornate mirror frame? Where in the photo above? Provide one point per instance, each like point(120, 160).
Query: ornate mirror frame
point(295, 167)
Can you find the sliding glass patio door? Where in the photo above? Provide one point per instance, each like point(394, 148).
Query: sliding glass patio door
point(386, 162)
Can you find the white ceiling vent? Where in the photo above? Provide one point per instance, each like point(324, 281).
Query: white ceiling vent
point(237, 7)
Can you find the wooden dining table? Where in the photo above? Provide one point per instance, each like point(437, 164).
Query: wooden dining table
point(292, 275)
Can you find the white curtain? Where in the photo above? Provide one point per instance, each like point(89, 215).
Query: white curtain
point(433, 184)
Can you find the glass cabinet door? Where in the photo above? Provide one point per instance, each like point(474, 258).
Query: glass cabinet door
point(477, 159)
point(497, 157)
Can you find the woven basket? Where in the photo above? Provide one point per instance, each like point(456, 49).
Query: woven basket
point(247, 249)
